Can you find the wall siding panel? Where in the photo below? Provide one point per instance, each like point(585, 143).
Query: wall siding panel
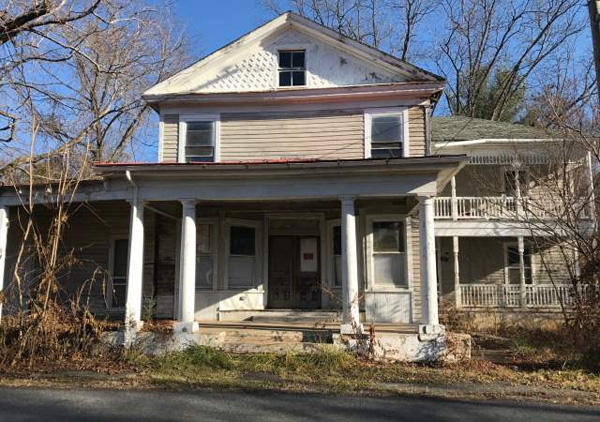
point(170, 141)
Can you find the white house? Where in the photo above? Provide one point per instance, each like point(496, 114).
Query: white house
point(296, 170)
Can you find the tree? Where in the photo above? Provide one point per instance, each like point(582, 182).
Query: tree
point(78, 69)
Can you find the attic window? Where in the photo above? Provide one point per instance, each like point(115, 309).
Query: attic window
point(292, 68)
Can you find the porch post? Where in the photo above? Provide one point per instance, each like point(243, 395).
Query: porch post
point(3, 242)
point(135, 272)
point(454, 201)
point(187, 269)
point(351, 318)
point(521, 248)
point(455, 251)
point(429, 295)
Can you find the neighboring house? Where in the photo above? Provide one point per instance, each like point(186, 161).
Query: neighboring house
point(497, 221)
point(295, 171)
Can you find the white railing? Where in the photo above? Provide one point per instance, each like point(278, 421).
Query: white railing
point(509, 296)
point(499, 207)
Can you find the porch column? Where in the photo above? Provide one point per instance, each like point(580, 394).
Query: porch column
point(454, 201)
point(187, 268)
point(3, 242)
point(351, 318)
point(429, 295)
point(521, 248)
point(455, 252)
point(135, 272)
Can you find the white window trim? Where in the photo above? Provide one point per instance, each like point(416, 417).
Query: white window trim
point(371, 286)
point(285, 47)
point(505, 246)
point(329, 254)
point(390, 111)
point(111, 266)
point(184, 119)
point(214, 249)
point(258, 276)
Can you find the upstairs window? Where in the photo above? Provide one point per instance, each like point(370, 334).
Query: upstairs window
point(292, 68)
point(199, 138)
point(386, 134)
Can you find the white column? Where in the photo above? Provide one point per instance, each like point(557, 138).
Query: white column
point(135, 272)
point(187, 268)
point(455, 252)
point(3, 243)
point(521, 248)
point(454, 201)
point(429, 295)
point(351, 318)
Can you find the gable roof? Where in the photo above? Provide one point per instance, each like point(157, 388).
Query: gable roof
point(220, 59)
point(463, 128)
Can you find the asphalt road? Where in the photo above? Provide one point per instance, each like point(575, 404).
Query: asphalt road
point(103, 406)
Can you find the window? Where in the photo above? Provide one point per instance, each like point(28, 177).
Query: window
point(117, 294)
point(389, 257)
point(204, 256)
point(337, 255)
point(198, 138)
point(242, 256)
point(513, 268)
point(385, 134)
point(292, 68)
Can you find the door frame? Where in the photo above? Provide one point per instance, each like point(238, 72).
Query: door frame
point(324, 280)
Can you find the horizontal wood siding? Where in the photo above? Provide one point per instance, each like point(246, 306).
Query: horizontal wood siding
point(323, 135)
point(416, 268)
point(170, 141)
point(416, 128)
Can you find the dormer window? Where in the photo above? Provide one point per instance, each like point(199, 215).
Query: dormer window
point(292, 68)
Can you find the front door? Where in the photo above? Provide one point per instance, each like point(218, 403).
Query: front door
point(294, 272)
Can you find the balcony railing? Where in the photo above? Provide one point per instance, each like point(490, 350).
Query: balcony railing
point(499, 207)
point(511, 296)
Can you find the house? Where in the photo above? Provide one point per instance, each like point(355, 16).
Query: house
point(296, 171)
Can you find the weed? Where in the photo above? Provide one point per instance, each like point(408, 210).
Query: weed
point(193, 356)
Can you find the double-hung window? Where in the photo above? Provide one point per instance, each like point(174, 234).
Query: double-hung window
point(292, 67)
point(336, 233)
point(389, 254)
point(386, 134)
point(205, 254)
point(513, 265)
point(242, 268)
point(199, 139)
point(117, 288)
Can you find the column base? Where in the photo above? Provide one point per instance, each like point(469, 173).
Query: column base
point(185, 327)
point(130, 332)
point(431, 331)
point(351, 329)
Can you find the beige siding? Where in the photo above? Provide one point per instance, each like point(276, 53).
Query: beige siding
point(170, 140)
point(323, 135)
point(416, 134)
point(326, 135)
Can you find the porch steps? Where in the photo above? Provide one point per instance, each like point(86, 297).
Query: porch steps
point(287, 316)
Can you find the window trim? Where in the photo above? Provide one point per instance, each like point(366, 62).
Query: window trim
point(512, 244)
point(291, 47)
point(258, 255)
point(183, 121)
point(214, 250)
point(111, 265)
point(371, 285)
point(390, 111)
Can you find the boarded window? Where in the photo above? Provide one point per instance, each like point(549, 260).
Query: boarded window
point(387, 135)
point(389, 258)
point(292, 69)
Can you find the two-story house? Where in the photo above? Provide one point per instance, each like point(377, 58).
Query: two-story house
point(296, 170)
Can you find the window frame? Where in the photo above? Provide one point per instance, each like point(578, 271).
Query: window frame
point(111, 266)
point(214, 250)
point(278, 69)
point(370, 260)
point(258, 256)
point(184, 119)
point(381, 112)
point(507, 268)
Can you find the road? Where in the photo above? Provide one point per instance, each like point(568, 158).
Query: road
point(112, 406)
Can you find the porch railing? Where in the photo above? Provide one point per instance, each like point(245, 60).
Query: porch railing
point(510, 296)
point(500, 207)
